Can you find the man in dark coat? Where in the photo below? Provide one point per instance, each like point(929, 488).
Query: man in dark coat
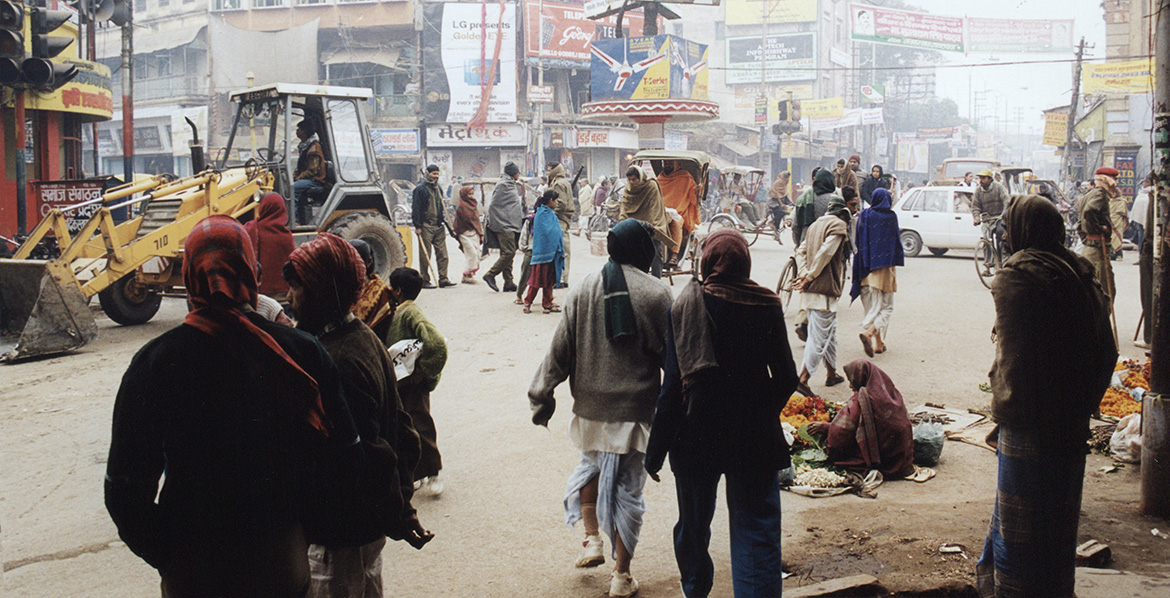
point(428, 213)
point(505, 216)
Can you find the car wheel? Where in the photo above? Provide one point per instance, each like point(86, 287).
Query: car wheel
point(937, 251)
point(911, 243)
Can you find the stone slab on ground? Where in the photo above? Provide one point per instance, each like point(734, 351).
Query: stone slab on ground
point(1108, 583)
point(854, 585)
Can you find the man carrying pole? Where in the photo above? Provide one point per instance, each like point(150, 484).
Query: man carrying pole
point(429, 217)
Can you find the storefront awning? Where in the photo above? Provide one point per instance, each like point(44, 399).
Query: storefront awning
point(385, 57)
point(741, 149)
point(169, 39)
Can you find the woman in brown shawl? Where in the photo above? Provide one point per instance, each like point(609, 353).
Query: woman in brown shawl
point(1053, 361)
point(469, 230)
point(728, 374)
point(642, 200)
point(273, 243)
point(873, 430)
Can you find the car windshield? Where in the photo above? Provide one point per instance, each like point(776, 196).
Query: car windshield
point(259, 127)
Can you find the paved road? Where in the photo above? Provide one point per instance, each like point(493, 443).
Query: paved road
point(500, 525)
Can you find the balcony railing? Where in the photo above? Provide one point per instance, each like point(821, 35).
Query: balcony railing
point(161, 88)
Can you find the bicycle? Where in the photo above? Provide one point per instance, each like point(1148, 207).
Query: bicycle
point(787, 279)
point(989, 252)
point(737, 219)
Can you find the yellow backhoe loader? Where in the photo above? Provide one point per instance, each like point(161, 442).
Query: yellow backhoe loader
point(44, 302)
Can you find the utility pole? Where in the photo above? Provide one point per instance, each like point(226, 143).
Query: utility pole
point(21, 165)
point(128, 95)
point(764, 81)
point(538, 165)
point(1070, 130)
point(1155, 486)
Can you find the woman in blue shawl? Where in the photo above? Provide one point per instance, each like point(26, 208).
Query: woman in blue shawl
point(548, 253)
point(879, 250)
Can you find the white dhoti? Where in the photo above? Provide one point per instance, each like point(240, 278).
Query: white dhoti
point(879, 306)
point(822, 340)
point(620, 506)
point(469, 241)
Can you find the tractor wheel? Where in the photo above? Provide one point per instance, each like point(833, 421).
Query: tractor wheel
point(128, 302)
point(377, 230)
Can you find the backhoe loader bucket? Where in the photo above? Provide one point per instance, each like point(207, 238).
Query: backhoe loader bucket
point(42, 310)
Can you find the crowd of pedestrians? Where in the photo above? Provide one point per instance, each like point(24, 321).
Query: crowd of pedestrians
point(287, 456)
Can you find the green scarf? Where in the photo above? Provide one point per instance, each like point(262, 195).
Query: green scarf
point(629, 242)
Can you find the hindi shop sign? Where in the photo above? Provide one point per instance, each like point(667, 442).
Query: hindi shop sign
point(1055, 128)
point(904, 28)
point(1019, 35)
point(492, 135)
point(540, 94)
point(64, 194)
point(790, 57)
point(395, 141)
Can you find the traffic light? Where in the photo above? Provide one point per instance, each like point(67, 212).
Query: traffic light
point(794, 112)
point(782, 108)
point(38, 69)
point(11, 41)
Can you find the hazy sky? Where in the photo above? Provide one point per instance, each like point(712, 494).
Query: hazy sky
point(1031, 87)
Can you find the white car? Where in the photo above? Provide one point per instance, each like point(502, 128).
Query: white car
point(938, 218)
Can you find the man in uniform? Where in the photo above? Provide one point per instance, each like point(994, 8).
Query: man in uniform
point(988, 204)
point(557, 181)
point(428, 215)
point(1095, 227)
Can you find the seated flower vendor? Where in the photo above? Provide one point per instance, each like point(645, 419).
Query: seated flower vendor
point(872, 430)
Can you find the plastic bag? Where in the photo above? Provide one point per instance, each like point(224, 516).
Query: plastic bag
point(928, 444)
point(403, 354)
point(1126, 443)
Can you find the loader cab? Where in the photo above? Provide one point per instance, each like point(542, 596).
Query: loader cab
point(264, 132)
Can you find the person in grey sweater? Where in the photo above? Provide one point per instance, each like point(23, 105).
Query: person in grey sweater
point(610, 345)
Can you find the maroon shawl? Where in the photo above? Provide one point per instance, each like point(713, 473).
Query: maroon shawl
point(726, 267)
point(467, 214)
point(873, 430)
point(272, 241)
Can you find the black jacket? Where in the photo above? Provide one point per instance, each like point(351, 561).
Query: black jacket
point(728, 419)
point(420, 200)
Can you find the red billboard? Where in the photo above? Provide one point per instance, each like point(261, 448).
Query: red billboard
point(564, 34)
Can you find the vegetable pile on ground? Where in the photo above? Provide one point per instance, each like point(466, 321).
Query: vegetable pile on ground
point(1131, 380)
point(801, 410)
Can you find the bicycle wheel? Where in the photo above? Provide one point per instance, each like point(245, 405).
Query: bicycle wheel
point(720, 222)
point(983, 268)
point(784, 285)
point(753, 233)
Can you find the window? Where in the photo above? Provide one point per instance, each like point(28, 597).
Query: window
point(268, 3)
point(935, 201)
point(840, 30)
point(225, 5)
point(162, 3)
point(347, 141)
point(963, 203)
point(139, 6)
point(163, 64)
point(912, 200)
point(720, 31)
point(311, 2)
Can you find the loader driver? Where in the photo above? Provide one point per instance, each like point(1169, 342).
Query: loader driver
point(309, 176)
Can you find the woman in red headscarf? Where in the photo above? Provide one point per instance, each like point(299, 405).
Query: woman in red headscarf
point(273, 243)
point(469, 230)
point(234, 408)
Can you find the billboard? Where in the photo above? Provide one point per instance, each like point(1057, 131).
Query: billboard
point(904, 28)
point(1126, 76)
point(1126, 165)
point(1019, 35)
point(461, 65)
point(753, 12)
point(1055, 128)
point(790, 57)
point(563, 33)
point(648, 68)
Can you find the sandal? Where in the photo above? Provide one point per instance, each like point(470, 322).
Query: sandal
point(834, 380)
point(552, 309)
point(518, 301)
point(866, 344)
point(527, 308)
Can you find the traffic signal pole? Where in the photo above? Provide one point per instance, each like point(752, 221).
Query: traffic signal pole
point(1155, 485)
point(21, 166)
point(128, 95)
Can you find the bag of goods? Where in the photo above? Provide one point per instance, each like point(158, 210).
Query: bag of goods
point(1126, 443)
point(928, 444)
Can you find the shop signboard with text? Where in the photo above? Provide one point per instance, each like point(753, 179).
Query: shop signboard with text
point(1019, 35)
point(395, 141)
point(492, 135)
point(789, 57)
point(754, 12)
point(1126, 165)
point(904, 28)
point(65, 194)
point(469, 61)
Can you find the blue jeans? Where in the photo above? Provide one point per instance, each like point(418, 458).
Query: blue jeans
point(753, 503)
point(302, 189)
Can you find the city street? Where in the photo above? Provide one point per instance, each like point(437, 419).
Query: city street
point(499, 524)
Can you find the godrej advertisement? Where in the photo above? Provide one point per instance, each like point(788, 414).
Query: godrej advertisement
point(648, 68)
